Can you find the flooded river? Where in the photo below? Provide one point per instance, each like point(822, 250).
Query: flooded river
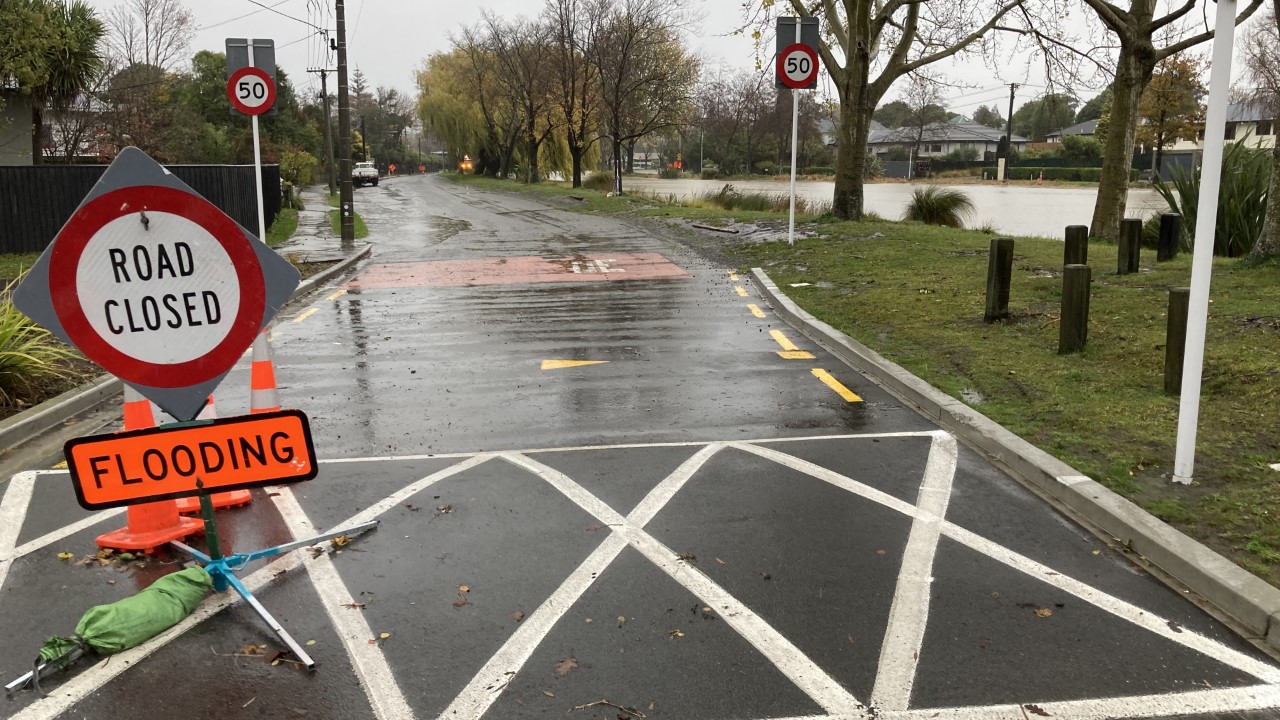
point(1014, 210)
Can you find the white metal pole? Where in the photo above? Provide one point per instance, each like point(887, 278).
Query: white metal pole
point(1202, 257)
point(257, 165)
point(795, 134)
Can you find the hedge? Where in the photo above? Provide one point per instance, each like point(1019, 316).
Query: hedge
point(1086, 174)
point(818, 170)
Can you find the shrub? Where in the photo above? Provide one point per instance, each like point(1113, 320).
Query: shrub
point(824, 170)
point(964, 153)
point(1082, 149)
point(599, 181)
point(731, 198)
point(710, 174)
point(670, 173)
point(767, 167)
point(298, 167)
point(898, 153)
point(1242, 198)
point(873, 169)
point(29, 354)
point(1085, 174)
point(934, 205)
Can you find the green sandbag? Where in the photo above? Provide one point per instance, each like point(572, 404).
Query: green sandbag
point(132, 621)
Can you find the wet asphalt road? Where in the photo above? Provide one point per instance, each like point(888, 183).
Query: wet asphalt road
point(697, 527)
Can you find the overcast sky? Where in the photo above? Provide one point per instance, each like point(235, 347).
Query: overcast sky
point(388, 40)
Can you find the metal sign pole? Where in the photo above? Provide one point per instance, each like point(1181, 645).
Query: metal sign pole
point(257, 166)
point(795, 134)
point(1202, 258)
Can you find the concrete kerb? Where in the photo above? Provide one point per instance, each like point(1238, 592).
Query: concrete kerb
point(29, 423)
point(1249, 601)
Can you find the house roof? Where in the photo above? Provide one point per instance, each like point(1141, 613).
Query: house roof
point(956, 132)
point(1088, 127)
point(1250, 111)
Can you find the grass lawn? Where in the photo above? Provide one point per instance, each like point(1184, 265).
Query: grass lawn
point(335, 222)
point(916, 293)
point(283, 227)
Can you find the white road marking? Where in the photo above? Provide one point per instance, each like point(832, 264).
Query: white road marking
point(909, 614)
point(398, 497)
point(13, 513)
point(1115, 606)
point(1198, 702)
point(50, 538)
point(488, 684)
point(371, 667)
point(789, 659)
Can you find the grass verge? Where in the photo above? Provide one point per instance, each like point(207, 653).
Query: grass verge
point(915, 293)
point(283, 227)
point(335, 222)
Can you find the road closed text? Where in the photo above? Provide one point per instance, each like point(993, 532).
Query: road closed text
point(147, 465)
point(145, 264)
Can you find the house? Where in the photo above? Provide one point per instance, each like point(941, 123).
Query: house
point(1086, 128)
point(941, 139)
point(1252, 122)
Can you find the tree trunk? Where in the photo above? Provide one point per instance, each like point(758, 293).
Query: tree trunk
point(617, 165)
point(1133, 72)
point(857, 102)
point(575, 153)
point(533, 160)
point(37, 133)
point(1268, 245)
point(631, 156)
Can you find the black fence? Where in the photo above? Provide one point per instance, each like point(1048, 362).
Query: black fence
point(35, 201)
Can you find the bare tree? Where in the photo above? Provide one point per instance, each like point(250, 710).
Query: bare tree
point(522, 47)
point(647, 78)
point(573, 26)
point(890, 38)
point(151, 32)
point(499, 107)
point(1139, 52)
point(1262, 57)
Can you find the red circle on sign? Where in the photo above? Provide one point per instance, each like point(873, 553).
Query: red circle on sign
point(64, 263)
point(807, 80)
point(239, 104)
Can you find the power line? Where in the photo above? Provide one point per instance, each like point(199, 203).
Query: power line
point(238, 17)
point(272, 9)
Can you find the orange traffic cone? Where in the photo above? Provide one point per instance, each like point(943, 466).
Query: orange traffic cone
point(150, 525)
point(263, 395)
point(231, 498)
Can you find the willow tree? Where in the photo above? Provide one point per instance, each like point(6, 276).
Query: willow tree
point(867, 45)
point(448, 105)
point(1139, 53)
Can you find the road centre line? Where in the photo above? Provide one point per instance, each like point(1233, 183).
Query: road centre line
point(368, 661)
point(1113, 605)
point(487, 684)
point(830, 381)
point(306, 314)
point(783, 341)
point(336, 294)
point(775, 647)
point(755, 310)
point(742, 292)
point(909, 614)
point(733, 276)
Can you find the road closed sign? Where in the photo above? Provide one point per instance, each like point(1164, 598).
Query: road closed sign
point(160, 463)
point(156, 284)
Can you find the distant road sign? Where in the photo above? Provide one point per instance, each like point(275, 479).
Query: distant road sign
point(161, 463)
point(251, 91)
point(156, 284)
point(798, 67)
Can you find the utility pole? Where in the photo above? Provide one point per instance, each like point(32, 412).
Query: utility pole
point(1008, 146)
point(346, 198)
point(328, 130)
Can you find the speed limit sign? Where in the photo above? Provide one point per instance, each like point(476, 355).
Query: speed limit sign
point(798, 67)
point(251, 91)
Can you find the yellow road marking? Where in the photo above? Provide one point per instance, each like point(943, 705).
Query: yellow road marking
point(755, 310)
point(783, 341)
point(61, 466)
point(561, 364)
point(795, 355)
point(742, 292)
point(834, 384)
point(339, 293)
point(733, 276)
point(306, 315)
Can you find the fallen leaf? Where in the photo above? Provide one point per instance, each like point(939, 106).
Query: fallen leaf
point(849, 637)
point(548, 693)
point(373, 641)
point(995, 595)
point(316, 551)
point(1175, 626)
point(879, 552)
point(675, 634)
point(1037, 710)
point(622, 620)
point(464, 588)
point(252, 649)
point(310, 643)
point(517, 616)
point(462, 601)
point(1043, 612)
point(1097, 552)
point(593, 527)
point(340, 541)
point(688, 557)
point(411, 507)
point(566, 665)
point(719, 561)
point(65, 556)
point(383, 636)
point(273, 657)
point(443, 510)
point(126, 557)
point(763, 575)
point(354, 606)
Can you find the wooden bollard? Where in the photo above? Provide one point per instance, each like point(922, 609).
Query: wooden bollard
point(1175, 339)
point(1130, 246)
point(1170, 230)
point(999, 276)
point(1077, 250)
point(1073, 324)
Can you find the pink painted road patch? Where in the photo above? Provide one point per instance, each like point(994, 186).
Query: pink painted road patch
point(519, 270)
